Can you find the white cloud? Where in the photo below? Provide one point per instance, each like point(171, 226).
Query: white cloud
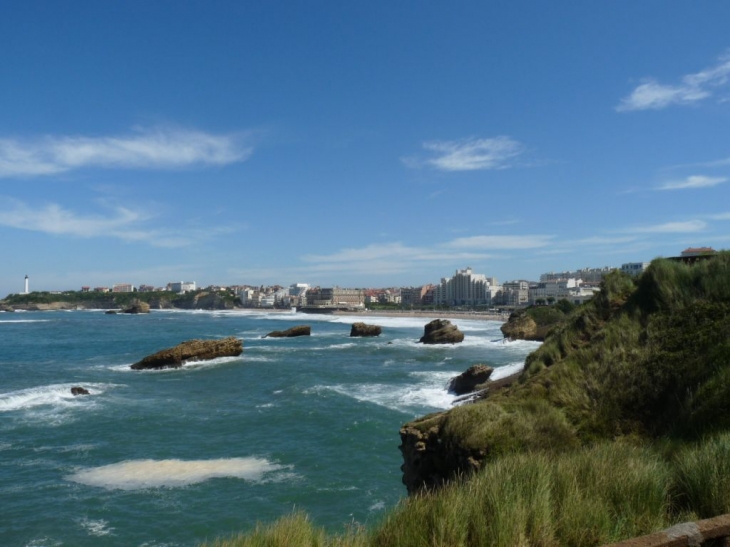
point(159, 148)
point(469, 154)
point(689, 226)
point(693, 88)
point(501, 242)
point(694, 181)
point(120, 223)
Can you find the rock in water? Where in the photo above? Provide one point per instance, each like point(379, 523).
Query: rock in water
point(79, 391)
point(192, 350)
point(361, 329)
point(467, 381)
point(441, 331)
point(300, 330)
point(137, 306)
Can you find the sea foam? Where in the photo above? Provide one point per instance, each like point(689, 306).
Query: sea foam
point(54, 395)
point(143, 474)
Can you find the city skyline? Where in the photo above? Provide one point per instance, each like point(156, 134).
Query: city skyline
point(361, 146)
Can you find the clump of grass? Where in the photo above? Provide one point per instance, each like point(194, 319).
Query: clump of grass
point(294, 530)
point(702, 477)
point(587, 497)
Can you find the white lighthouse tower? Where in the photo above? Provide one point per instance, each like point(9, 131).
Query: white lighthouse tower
point(26, 285)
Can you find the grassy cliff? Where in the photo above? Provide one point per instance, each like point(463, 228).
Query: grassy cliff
point(619, 426)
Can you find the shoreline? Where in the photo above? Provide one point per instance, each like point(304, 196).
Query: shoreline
point(472, 315)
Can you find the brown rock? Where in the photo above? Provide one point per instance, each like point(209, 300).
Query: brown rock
point(467, 381)
point(79, 391)
point(361, 329)
point(191, 350)
point(300, 330)
point(137, 306)
point(441, 331)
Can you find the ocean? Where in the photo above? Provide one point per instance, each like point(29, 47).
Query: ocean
point(178, 456)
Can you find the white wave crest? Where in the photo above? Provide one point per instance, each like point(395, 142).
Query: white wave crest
point(96, 527)
point(24, 321)
point(192, 365)
point(506, 370)
point(428, 392)
point(143, 474)
point(54, 395)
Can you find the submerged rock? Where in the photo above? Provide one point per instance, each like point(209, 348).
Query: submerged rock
point(441, 331)
point(76, 390)
point(361, 329)
point(110, 312)
point(300, 330)
point(189, 351)
point(467, 381)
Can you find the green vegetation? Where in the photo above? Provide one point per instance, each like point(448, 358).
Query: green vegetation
point(121, 300)
point(589, 496)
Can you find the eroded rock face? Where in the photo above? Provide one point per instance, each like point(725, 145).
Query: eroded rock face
point(441, 331)
point(191, 350)
point(79, 391)
point(467, 381)
point(300, 330)
point(430, 460)
point(361, 329)
point(521, 326)
point(137, 306)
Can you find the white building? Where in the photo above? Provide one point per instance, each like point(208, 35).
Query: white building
point(514, 293)
point(181, 286)
point(553, 290)
point(122, 287)
point(466, 288)
point(588, 275)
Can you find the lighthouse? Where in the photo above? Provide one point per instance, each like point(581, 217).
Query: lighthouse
point(26, 285)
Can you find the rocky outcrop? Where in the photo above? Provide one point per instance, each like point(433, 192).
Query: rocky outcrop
point(6, 308)
point(467, 381)
point(110, 312)
point(300, 330)
point(192, 350)
point(520, 326)
point(137, 306)
point(441, 331)
point(362, 329)
point(429, 459)
point(76, 390)
point(202, 301)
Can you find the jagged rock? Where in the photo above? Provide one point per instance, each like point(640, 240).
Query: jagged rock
point(361, 329)
point(191, 350)
point(520, 326)
point(467, 381)
point(79, 391)
point(300, 330)
point(441, 331)
point(6, 308)
point(137, 306)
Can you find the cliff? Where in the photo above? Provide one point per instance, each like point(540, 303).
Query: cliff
point(645, 358)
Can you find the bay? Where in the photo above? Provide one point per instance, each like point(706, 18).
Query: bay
point(175, 457)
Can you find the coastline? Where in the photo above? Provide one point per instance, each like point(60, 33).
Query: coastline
point(434, 314)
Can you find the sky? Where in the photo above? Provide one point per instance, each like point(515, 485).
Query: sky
point(360, 144)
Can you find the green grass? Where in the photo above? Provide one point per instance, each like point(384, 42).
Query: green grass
point(585, 497)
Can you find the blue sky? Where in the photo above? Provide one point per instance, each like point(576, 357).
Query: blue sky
point(359, 144)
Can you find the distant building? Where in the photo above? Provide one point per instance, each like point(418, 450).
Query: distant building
point(335, 296)
point(181, 286)
point(514, 294)
point(122, 287)
point(466, 288)
point(634, 268)
point(101, 289)
point(587, 275)
point(85, 289)
point(145, 288)
point(698, 251)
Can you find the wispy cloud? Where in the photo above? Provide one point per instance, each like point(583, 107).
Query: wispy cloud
point(694, 181)
point(684, 227)
point(117, 222)
point(500, 242)
point(651, 95)
point(471, 154)
point(144, 148)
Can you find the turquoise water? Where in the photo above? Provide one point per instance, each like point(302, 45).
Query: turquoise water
point(174, 457)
